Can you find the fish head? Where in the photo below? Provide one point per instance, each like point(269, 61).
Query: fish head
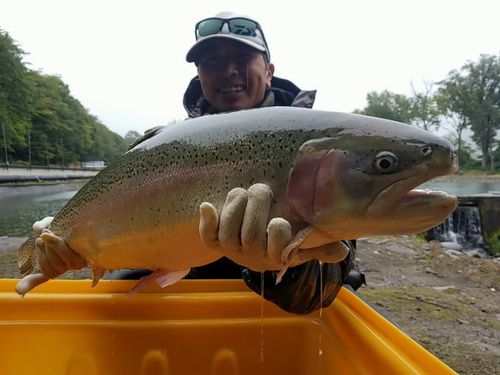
point(360, 180)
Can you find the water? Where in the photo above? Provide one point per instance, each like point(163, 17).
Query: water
point(21, 206)
point(462, 227)
point(463, 187)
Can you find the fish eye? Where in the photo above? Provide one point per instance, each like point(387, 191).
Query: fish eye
point(386, 162)
point(426, 150)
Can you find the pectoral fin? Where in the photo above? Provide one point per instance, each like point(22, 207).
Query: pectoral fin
point(328, 253)
point(161, 277)
point(309, 244)
point(97, 274)
point(291, 248)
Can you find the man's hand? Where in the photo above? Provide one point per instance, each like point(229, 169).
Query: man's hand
point(243, 233)
point(53, 256)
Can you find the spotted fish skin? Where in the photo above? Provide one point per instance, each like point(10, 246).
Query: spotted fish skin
point(143, 211)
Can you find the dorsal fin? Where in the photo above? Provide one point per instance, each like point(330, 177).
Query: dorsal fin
point(147, 134)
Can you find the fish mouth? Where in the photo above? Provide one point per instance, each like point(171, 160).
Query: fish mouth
point(402, 195)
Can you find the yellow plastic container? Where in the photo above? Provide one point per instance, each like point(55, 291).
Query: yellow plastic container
point(209, 327)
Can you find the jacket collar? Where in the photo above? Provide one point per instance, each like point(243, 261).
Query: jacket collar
point(281, 93)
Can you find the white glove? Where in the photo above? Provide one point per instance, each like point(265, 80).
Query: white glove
point(244, 235)
point(52, 256)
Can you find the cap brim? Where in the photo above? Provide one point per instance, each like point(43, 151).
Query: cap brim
point(194, 52)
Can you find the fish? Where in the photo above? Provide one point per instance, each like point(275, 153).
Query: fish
point(334, 176)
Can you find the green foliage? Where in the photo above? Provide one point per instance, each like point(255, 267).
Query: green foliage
point(426, 112)
point(493, 243)
point(420, 110)
point(466, 160)
point(496, 156)
point(40, 109)
point(388, 105)
point(130, 138)
point(15, 91)
point(473, 93)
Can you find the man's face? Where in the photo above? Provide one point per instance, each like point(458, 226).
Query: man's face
point(233, 76)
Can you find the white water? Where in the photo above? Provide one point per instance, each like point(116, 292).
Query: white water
point(462, 228)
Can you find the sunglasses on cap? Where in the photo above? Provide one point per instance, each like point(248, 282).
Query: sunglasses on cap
point(237, 26)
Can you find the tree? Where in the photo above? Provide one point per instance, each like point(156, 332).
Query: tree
point(496, 155)
point(15, 89)
point(452, 117)
point(60, 119)
point(473, 93)
point(41, 109)
point(107, 145)
point(425, 109)
point(420, 110)
point(130, 138)
point(389, 105)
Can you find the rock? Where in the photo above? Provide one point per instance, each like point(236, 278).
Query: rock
point(381, 242)
point(443, 288)
point(401, 250)
point(453, 253)
point(452, 246)
point(434, 246)
point(430, 270)
point(476, 253)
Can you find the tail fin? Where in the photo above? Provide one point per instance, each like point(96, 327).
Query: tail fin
point(26, 256)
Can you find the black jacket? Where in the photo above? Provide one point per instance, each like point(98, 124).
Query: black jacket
point(281, 93)
point(300, 289)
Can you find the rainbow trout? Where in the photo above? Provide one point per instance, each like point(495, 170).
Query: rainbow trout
point(345, 176)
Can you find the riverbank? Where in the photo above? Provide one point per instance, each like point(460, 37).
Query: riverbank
point(445, 300)
point(469, 175)
point(17, 174)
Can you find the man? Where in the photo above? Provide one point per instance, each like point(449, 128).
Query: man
point(235, 73)
point(234, 69)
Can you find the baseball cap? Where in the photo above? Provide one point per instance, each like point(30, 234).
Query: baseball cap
point(228, 25)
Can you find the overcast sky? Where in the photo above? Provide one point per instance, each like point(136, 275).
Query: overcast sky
point(125, 60)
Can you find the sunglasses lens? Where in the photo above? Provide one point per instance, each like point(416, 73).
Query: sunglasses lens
point(242, 26)
point(209, 27)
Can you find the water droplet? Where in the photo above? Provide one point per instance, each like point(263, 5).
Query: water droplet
point(320, 335)
point(261, 351)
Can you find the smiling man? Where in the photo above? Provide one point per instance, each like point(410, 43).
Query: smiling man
point(235, 70)
point(235, 73)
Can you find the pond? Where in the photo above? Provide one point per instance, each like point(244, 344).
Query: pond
point(21, 206)
point(461, 187)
